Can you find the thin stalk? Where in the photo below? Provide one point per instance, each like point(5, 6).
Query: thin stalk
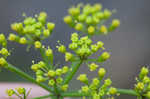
point(75, 67)
point(26, 76)
point(42, 97)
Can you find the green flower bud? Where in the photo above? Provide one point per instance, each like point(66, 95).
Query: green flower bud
point(95, 81)
point(38, 25)
point(104, 56)
point(79, 26)
point(23, 40)
point(99, 15)
point(64, 87)
point(89, 20)
point(85, 89)
point(103, 29)
point(35, 67)
point(83, 78)
point(107, 14)
point(29, 21)
point(139, 86)
point(93, 66)
point(100, 44)
point(41, 64)
point(59, 80)
point(58, 72)
point(12, 37)
point(65, 69)
point(101, 72)
point(51, 82)
point(91, 30)
point(4, 52)
point(82, 17)
point(42, 17)
point(73, 46)
point(68, 56)
point(144, 71)
point(37, 44)
point(46, 33)
point(51, 73)
point(2, 38)
point(68, 19)
point(40, 79)
point(10, 92)
point(112, 91)
point(146, 80)
point(97, 7)
point(3, 62)
point(30, 29)
point(50, 26)
point(107, 82)
point(94, 48)
point(74, 11)
point(148, 94)
point(20, 90)
point(39, 72)
point(48, 52)
point(61, 48)
point(17, 27)
point(115, 23)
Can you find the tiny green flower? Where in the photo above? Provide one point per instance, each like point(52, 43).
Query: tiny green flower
point(91, 30)
point(112, 91)
point(51, 73)
point(64, 87)
point(65, 69)
point(10, 92)
point(3, 62)
point(4, 52)
point(58, 72)
point(62, 48)
point(12, 37)
point(101, 72)
point(35, 67)
point(107, 14)
point(115, 23)
point(50, 26)
point(41, 64)
point(79, 26)
point(68, 19)
point(51, 82)
point(103, 29)
point(20, 90)
point(2, 38)
point(107, 82)
point(40, 79)
point(22, 40)
point(37, 44)
point(46, 33)
point(93, 66)
point(59, 80)
point(48, 52)
point(68, 56)
point(82, 78)
point(139, 86)
point(85, 89)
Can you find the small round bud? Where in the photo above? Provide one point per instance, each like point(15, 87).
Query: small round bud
point(29, 21)
point(17, 27)
point(82, 77)
point(112, 91)
point(2, 38)
point(73, 46)
point(89, 20)
point(59, 80)
point(41, 64)
point(58, 72)
point(82, 17)
point(79, 26)
point(46, 33)
point(85, 89)
point(62, 48)
point(35, 67)
point(100, 44)
point(51, 82)
point(39, 72)
point(115, 23)
point(64, 87)
point(50, 26)
point(65, 69)
point(95, 81)
point(74, 11)
point(42, 17)
point(139, 86)
point(68, 56)
point(103, 29)
point(51, 73)
point(94, 48)
point(93, 66)
point(3, 62)
point(101, 72)
point(104, 56)
point(12, 37)
point(91, 30)
point(10, 92)
point(107, 82)
point(144, 71)
point(146, 80)
point(97, 7)
point(4, 52)
point(40, 79)
point(20, 90)
point(23, 40)
point(37, 44)
point(48, 52)
point(107, 14)
point(68, 19)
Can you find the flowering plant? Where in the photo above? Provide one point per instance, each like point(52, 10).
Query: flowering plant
point(88, 20)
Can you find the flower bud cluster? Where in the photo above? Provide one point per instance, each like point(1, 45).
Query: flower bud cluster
point(32, 30)
point(96, 88)
point(53, 76)
point(4, 53)
point(20, 92)
point(82, 47)
point(142, 87)
point(90, 19)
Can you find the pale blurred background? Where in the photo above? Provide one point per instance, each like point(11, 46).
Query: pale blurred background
point(129, 44)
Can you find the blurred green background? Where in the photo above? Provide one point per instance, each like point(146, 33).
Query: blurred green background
point(129, 44)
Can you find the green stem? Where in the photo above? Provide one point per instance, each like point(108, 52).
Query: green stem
point(127, 91)
point(26, 76)
point(75, 67)
point(43, 97)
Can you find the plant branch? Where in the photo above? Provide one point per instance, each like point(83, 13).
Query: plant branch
point(26, 76)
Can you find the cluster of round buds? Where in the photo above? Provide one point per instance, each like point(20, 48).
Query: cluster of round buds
point(32, 30)
point(90, 18)
point(96, 89)
point(54, 77)
point(3, 51)
point(143, 83)
point(83, 46)
point(20, 92)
